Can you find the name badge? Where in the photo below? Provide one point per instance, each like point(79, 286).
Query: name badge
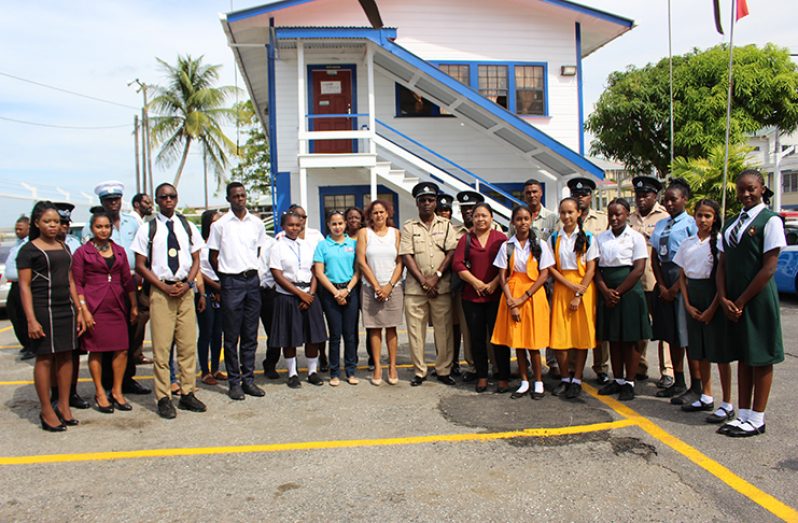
point(663, 250)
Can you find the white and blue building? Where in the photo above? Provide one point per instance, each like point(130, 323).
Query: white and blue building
point(361, 99)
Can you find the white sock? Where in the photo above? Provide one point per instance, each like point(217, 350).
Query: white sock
point(566, 380)
point(743, 414)
point(538, 386)
point(620, 381)
point(706, 399)
point(291, 362)
point(523, 387)
point(728, 407)
point(578, 382)
point(313, 365)
point(756, 419)
point(735, 422)
point(632, 383)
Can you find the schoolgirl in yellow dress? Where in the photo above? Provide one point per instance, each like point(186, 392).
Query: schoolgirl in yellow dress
point(573, 303)
point(522, 321)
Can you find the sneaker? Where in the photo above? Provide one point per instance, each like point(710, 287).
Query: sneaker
point(627, 392)
point(166, 409)
point(190, 402)
point(574, 391)
point(314, 379)
point(293, 382)
point(612, 387)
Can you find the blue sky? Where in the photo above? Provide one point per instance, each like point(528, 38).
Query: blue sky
point(96, 48)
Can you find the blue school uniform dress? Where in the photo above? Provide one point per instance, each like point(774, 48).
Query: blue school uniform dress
point(670, 318)
point(756, 337)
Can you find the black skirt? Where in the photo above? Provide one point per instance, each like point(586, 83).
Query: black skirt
point(292, 327)
point(628, 320)
point(707, 342)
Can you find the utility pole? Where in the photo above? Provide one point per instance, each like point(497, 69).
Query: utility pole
point(146, 149)
point(205, 173)
point(136, 154)
point(777, 172)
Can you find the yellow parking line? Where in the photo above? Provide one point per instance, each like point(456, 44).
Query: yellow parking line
point(313, 445)
point(737, 483)
point(4, 329)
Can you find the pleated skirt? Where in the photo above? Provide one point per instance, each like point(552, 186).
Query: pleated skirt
point(532, 332)
point(292, 327)
point(628, 320)
point(572, 329)
point(706, 342)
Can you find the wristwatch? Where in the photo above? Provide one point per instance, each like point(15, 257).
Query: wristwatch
point(439, 274)
point(578, 294)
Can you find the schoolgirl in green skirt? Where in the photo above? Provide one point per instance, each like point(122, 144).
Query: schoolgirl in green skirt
point(750, 252)
point(706, 324)
point(621, 312)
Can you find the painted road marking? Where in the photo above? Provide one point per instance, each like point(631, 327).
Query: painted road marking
point(315, 445)
point(5, 329)
point(737, 483)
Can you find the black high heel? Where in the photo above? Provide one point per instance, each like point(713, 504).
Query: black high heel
point(126, 406)
point(50, 428)
point(105, 410)
point(68, 422)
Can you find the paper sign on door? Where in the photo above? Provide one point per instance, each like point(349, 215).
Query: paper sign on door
point(330, 87)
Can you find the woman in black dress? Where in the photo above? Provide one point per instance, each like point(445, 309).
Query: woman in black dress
point(51, 307)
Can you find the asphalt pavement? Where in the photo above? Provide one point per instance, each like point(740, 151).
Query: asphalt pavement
point(391, 453)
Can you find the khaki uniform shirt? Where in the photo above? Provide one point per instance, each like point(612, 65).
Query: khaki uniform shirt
point(645, 226)
point(461, 230)
point(596, 222)
point(544, 224)
point(428, 247)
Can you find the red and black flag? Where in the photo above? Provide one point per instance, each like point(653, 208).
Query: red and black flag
point(742, 10)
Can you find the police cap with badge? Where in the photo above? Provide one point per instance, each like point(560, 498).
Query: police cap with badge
point(109, 189)
point(444, 202)
point(645, 184)
point(469, 198)
point(425, 189)
point(64, 211)
point(581, 186)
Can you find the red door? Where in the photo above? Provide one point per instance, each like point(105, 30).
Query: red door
point(332, 94)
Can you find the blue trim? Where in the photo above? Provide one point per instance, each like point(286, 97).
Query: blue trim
point(359, 191)
point(283, 184)
point(376, 35)
point(343, 115)
point(596, 13)
point(272, 101)
point(579, 89)
point(309, 80)
point(268, 7)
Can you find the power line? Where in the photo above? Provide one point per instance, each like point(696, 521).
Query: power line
point(54, 126)
point(67, 91)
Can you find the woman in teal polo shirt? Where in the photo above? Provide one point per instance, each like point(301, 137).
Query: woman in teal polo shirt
point(334, 266)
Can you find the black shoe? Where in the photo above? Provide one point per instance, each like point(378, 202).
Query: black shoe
point(76, 402)
point(293, 382)
point(516, 395)
point(536, 395)
point(502, 390)
point(417, 380)
point(574, 391)
point(126, 406)
point(324, 365)
point(250, 389)
point(132, 386)
point(236, 392)
point(190, 402)
point(468, 377)
point(726, 427)
point(554, 373)
point(166, 409)
point(641, 376)
point(68, 422)
point(686, 398)
point(315, 379)
point(456, 370)
point(715, 419)
point(627, 392)
point(746, 430)
point(612, 387)
point(664, 382)
point(51, 428)
point(270, 372)
point(480, 390)
point(602, 378)
point(447, 380)
point(108, 409)
point(27, 354)
point(672, 391)
point(706, 407)
point(560, 388)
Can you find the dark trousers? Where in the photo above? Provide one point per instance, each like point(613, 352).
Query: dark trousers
point(266, 313)
point(107, 358)
point(480, 318)
point(240, 311)
point(17, 315)
point(342, 322)
point(210, 334)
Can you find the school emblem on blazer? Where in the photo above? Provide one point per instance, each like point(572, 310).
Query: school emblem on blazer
point(752, 231)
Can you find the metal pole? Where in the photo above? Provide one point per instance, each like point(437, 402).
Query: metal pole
point(777, 173)
point(144, 182)
point(205, 174)
point(136, 154)
point(670, 76)
point(148, 143)
point(728, 114)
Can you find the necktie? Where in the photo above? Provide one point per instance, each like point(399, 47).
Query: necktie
point(733, 241)
point(172, 248)
point(663, 239)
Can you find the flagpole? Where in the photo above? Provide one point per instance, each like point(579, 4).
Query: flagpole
point(728, 113)
point(670, 76)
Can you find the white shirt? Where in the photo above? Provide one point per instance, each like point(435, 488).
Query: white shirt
point(159, 264)
point(205, 264)
point(774, 230)
point(521, 255)
point(265, 273)
point(312, 236)
point(237, 242)
point(567, 254)
point(294, 258)
point(623, 250)
point(695, 257)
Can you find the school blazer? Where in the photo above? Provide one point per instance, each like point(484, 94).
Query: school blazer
point(94, 280)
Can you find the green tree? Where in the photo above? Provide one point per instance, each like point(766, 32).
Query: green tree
point(705, 175)
point(191, 108)
point(631, 121)
point(253, 169)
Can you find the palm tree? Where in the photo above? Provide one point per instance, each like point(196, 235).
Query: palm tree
point(191, 108)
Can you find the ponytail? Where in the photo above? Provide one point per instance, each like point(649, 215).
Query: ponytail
point(534, 246)
point(714, 233)
point(582, 241)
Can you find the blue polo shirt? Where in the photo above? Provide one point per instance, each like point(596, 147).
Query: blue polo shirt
point(669, 234)
point(338, 258)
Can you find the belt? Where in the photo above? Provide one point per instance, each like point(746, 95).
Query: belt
point(172, 282)
point(246, 274)
point(301, 285)
point(341, 285)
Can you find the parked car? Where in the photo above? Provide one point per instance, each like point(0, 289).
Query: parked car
point(5, 286)
point(787, 270)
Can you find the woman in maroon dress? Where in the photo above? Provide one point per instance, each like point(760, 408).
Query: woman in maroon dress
point(102, 277)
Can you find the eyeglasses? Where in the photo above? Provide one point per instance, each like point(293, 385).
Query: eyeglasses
point(168, 196)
